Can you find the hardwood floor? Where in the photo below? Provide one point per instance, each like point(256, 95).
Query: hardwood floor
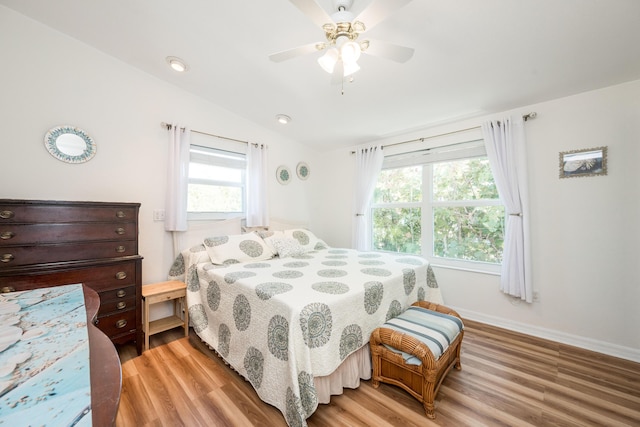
point(507, 379)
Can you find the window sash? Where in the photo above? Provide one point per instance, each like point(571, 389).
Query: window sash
point(427, 157)
point(222, 158)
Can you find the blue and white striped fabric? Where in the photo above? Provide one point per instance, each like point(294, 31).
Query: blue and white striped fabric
point(436, 330)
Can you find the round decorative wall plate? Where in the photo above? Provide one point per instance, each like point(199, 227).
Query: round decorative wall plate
point(70, 144)
point(302, 170)
point(283, 174)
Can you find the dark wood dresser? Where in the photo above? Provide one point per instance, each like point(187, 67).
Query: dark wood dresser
point(49, 243)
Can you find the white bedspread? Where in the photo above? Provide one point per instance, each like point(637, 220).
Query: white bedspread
point(281, 322)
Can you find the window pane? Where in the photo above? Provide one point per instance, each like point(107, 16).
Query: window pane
point(469, 179)
point(399, 185)
point(213, 198)
point(397, 230)
point(469, 233)
point(214, 173)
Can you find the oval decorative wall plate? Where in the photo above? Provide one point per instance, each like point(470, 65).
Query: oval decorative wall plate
point(70, 144)
point(303, 170)
point(283, 174)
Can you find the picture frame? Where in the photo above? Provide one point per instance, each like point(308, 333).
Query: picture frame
point(283, 175)
point(584, 162)
point(302, 170)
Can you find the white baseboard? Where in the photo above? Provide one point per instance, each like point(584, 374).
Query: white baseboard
point(615, 350)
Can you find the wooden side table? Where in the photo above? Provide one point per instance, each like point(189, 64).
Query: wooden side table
point(173, 290)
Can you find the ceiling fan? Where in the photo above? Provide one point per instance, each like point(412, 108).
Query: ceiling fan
point(342, 29)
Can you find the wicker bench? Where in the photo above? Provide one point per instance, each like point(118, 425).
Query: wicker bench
point(422, 376)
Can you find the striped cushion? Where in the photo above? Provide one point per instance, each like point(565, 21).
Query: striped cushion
point(436, 330)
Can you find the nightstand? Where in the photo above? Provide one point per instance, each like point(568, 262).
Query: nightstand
point(173, 290)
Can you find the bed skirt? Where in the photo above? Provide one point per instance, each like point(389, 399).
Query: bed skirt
point(355, 367)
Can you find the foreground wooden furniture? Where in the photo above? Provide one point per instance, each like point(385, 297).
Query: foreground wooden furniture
point(172, 290)
point(51, 243)
point(106, 374)
point(421, 381)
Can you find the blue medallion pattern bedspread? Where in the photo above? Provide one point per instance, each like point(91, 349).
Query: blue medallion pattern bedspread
point(283, 321)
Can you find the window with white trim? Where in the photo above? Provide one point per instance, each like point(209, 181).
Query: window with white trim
point(217, 183)
point(441, 203)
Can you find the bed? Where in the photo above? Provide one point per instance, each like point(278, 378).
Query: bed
point(292, 315)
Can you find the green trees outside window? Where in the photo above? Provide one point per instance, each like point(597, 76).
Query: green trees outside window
point(448, 209)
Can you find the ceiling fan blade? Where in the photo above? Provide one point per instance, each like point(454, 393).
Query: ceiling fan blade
point(378, 10)
point(292, 53)
point(313, 11)
point(390, 51)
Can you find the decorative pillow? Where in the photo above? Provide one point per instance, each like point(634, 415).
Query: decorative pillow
point(287, 247)
point(306, 238)
point(267, 236)
point(237, 248)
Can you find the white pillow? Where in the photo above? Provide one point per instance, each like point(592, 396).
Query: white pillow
point(287, 247)
point(267, 236)
point(306, 238)
point(237, 248)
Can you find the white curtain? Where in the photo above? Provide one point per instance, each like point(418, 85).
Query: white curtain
point(506, 150)
point(368, 165)
point(177, 179)
point(257, 200)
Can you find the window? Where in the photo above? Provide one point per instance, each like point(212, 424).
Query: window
point(216, 188)
point(441, 203)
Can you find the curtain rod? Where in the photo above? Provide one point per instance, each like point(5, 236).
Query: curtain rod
point(169, 126)
point(525, 117)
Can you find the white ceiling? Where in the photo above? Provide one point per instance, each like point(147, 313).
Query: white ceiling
point(472, 57)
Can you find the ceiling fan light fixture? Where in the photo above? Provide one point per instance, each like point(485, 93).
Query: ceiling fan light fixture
point(350, 52)
point(177, 64)
point(350, 68)
point(329, 59)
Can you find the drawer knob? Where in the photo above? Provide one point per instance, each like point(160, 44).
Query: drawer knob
point(6, 258)
point(6, 235)
point(120, 249)
point(7, 289)
point(121, 293)
point(120, 214)
point(121, 305)
point(7, 214)
point(121, 323)
point(121, 275)
point(120, 231)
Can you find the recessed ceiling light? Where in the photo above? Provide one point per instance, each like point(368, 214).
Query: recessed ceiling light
point(283, 118)
point(177, 64)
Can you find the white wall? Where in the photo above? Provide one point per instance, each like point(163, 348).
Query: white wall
point(585, 230)
point(55, 80)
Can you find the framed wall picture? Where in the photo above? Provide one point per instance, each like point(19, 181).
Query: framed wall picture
point(283, 175)
point(587, 162)
point(302, 170)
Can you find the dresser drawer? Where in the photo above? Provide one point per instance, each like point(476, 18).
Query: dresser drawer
point(21, 234)
point(118, 323)
point(116, 306)
point(60, 212)
point(25, 255)
point(109, 276)
point(117, 294)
